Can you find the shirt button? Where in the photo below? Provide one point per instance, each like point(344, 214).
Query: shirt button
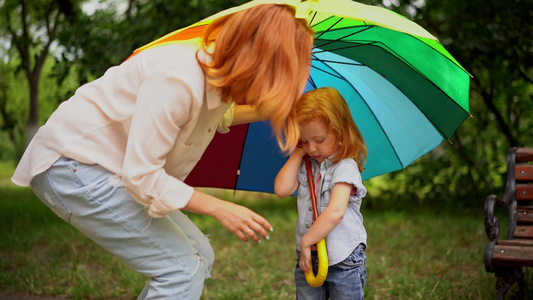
point(209, 129)
point(307, 226)
point(310, 208)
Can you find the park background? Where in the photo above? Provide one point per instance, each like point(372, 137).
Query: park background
point(425, 223)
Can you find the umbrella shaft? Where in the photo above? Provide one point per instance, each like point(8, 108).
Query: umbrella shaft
point(311, 186)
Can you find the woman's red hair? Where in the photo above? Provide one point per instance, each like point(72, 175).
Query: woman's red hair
point(262, 57)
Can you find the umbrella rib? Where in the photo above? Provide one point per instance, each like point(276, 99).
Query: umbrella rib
point(371, 44)
point(342, 48)
point(377, 120)
point(360, 64)
point(425, 78)
point(397, 55)
point(342, 62)
point(333, 25)
point(409, 35)
point(329, 73)
point(312, 81)
point(384, 46)
point(312, 19)
point(366, 27)
point(342, 37)
point(240, 160)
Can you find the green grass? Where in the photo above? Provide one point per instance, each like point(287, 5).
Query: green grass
point(413, 253)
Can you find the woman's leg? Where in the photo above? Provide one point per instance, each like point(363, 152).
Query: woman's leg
point(201, 241)
point(94, 201)
point(205, 251)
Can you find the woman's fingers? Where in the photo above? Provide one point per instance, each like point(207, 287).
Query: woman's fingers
point(255, 231)
point(241, 235)
point(261, 226)
point(244, 223)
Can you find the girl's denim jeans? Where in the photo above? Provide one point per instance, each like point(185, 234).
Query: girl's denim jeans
point(171, 250)
point(345, 281)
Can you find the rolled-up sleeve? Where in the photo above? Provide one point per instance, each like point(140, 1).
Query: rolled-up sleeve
point(227, 119)
point(163, 106)
point(349, 173)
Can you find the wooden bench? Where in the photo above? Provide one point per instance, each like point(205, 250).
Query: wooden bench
point(506, 257)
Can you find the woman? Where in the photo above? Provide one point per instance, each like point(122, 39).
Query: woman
point(112, 159)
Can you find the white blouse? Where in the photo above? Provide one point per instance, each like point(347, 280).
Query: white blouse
point(148, 120)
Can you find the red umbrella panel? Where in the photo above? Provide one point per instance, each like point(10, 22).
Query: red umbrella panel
point(246, 158)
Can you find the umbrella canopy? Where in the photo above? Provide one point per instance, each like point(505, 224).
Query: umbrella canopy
point(405, 91)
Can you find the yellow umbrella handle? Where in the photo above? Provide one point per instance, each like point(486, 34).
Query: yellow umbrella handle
point(318, 280)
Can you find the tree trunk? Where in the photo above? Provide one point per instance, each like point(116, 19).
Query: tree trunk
point(33, 116)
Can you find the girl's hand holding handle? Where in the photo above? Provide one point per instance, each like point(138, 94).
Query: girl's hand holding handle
point(305, 258)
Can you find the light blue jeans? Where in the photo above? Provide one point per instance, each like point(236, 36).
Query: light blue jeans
point(171, 250)
point(345, 281)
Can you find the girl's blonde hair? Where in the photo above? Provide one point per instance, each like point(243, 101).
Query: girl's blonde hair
point(262, 57)
point(328, 105)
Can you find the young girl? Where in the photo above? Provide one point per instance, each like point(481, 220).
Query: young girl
point(330, 137)
point(112, 159)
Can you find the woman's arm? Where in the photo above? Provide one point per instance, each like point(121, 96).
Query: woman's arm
point(246, 114)
point(326, 222)
point(236, 218)
point(286, 181)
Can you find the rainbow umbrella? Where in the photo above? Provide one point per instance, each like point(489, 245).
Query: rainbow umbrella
point(405, 91)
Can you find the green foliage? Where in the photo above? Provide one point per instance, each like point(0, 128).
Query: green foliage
point(28, 33)
point(107, 37)
point(14, 104)
point(13, 98)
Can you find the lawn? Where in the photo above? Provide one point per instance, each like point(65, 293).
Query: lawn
point(413, 253)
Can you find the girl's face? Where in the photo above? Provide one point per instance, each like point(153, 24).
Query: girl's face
point(317, 140)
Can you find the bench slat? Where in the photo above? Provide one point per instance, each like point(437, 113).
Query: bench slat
point(523, 232)
point(524, 192)
point(516, 242)
point(524, 154)
point(523, 172)
point(513, 256)
point(524, 214)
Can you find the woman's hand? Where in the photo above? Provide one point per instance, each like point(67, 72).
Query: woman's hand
point(238, 219)
point(242, 221)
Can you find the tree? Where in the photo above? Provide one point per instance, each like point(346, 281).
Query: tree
point(31, 30)
point(493, 40)
point(110, 35)
point(9, 116)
